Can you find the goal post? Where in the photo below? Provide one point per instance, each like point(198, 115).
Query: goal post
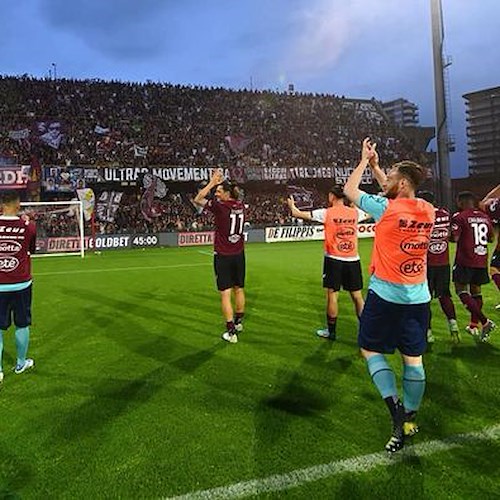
point(60, 227)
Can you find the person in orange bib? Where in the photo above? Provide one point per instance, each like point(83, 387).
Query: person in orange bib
point(396, 312)
point(341, 265)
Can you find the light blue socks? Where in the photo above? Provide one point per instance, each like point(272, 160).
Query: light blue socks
point(382, 376)
point(413, 386)
point(22, 342)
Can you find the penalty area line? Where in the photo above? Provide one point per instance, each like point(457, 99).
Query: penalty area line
point(117, 269)
point(362, 463)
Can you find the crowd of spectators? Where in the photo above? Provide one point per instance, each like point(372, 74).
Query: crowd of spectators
point(93, 122)
point(109, 123)
point(54, 221)
point(177, 213)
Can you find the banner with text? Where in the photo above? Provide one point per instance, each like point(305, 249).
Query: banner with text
point(70, 178)
point(167, 174)
point(66, 244)
point(309, 233)
point(294, 233)
point(366, 230)
point(195, 239)
point(15, 177)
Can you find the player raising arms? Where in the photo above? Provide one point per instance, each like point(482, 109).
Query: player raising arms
point(472, 230)
point(396, 312)
point(341, 265)
point(229, 254)
point(17, 242)
point(491, 205)
point(438, 267)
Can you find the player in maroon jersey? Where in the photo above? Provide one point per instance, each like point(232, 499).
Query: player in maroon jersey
point(491, 205)
point(438, 267)
point(472, 230)
point(229, 254)
point(17, 242)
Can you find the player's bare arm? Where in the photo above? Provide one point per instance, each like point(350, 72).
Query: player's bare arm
point(494, 193)
point(351, 188)
point(299, 214)
point(201, 198)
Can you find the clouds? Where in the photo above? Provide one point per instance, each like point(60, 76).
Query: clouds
point(322, 36)
point(326, 30)
point(119, 29)
point(357, 48)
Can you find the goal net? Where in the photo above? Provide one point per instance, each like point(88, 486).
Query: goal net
point(59, 227)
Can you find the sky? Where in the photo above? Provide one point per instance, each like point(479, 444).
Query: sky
point(356, 48)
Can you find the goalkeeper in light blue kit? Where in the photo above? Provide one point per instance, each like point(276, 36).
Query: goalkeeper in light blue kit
point(396, 312)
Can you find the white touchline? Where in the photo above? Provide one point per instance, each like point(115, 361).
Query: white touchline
point(357, 464)
point(113, 269)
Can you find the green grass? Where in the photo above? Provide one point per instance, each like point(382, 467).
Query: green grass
point(134, 395)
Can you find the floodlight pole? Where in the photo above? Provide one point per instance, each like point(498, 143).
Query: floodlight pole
point(443, 157)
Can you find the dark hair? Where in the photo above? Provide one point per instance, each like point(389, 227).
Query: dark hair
point(465, 196)
point(427, 196)
point(10, 197)
point(337, 191)
point(231, 188)
point(411, 171)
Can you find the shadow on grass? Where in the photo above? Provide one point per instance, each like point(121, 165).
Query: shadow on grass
point(297, 399)
point(453, 395)
point(302, 395)
point(138, 317)
point(15, 474)
point(474, 353)
point(109, 398)
point(403, 479)
point(296, 394)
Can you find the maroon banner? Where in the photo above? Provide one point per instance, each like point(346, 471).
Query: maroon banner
point(15, 177)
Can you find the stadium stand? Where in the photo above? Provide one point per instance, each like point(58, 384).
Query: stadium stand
point(98, 123)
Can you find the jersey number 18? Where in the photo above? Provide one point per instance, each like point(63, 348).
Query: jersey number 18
point(480, 233)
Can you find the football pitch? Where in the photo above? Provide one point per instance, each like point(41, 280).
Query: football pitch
point(134, 394)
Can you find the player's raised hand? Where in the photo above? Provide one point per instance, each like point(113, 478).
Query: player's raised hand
point(374, 159)
point(291, 202)
point(367, 150)
point(217, 177)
